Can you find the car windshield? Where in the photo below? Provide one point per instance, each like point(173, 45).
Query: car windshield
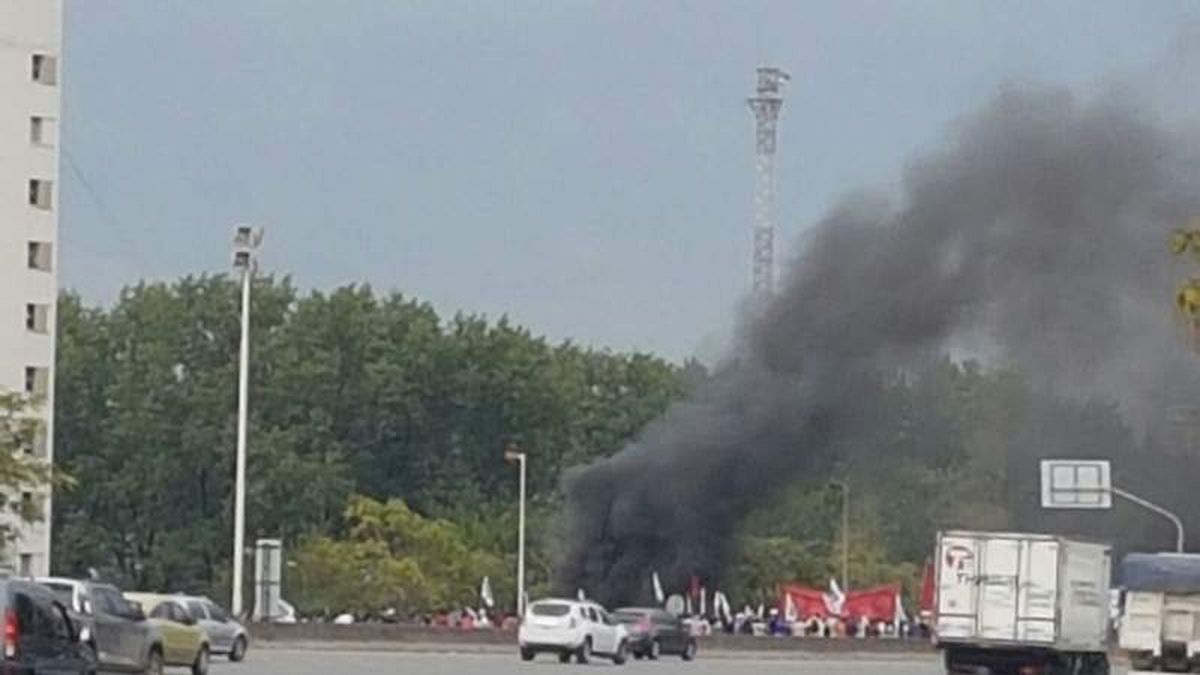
point(64, 593)
point(216, 612)
point(550, 609)
point(629, 617)
point(196, 609)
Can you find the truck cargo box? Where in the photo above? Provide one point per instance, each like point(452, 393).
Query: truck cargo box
point(1160, 623)
point(1011, 590)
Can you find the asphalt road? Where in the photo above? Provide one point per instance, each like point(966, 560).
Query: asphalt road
point(281, 662)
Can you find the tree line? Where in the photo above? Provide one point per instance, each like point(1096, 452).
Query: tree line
point(376, 450)
point(353, 394)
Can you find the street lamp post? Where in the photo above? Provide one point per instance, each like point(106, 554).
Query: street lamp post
point(511, 454)
point(246, 240)
point(845, 488)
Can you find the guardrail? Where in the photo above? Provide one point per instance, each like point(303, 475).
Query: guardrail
point(398, 635)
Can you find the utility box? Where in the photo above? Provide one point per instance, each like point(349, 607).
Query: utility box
point(268, 577)
point(1022, 602)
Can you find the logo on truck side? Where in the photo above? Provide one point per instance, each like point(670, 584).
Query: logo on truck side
point(960, 561)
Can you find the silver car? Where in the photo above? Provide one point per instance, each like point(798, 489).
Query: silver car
point(225, 634)
point(116, 631)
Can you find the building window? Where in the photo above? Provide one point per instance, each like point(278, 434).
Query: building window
point(43, 131)
point(37, 381)
point(41, 193)
point(44, 69)
point(25, 568)
point(37, 317)
point(41, 256)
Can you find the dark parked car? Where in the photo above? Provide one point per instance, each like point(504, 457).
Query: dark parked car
point(114, 628)
point(38, 637)
point(655, 632)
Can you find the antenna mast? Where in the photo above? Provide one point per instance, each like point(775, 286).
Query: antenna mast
point(765, 105)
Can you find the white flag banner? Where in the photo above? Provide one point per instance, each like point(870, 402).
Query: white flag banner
point(485, 593)
point(703, 601)
point(582, 595)
point(659, 596)
point(721, 607)
point(835, 599)
point(687, 600)
point(900, 617)
point(789, 608)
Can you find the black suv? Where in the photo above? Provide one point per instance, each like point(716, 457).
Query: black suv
point(38, 637)
point(114, 628)
point(654, 632)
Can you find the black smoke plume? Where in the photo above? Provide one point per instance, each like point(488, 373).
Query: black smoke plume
point(1036, 237)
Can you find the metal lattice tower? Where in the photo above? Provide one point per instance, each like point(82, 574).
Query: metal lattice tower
point(765, 105)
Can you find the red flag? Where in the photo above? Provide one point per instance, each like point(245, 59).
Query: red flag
point(874, 604)
point(809, 602)
point(928, 589)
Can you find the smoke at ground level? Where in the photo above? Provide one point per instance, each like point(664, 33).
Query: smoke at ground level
point(1035, 236)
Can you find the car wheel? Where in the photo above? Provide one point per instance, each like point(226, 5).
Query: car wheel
point(689, 651)
point(655, 650)
point(564, 657)
point(527, 654)
point(638, 656)
point(585, 651)
point(238, 651)
point(89, 655)
point(154, 662)
point(622, 654)
point(200, 665)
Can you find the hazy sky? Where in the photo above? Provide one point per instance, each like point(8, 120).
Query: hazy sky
point(585, 167)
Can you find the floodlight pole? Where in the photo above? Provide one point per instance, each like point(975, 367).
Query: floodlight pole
point(512, 454)
point(1151, 506)
point(845, 488)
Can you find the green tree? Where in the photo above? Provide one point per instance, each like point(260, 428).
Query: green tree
point(351, 393)
point(20, 469)
point(391, 558)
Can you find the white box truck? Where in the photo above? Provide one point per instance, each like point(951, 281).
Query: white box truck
point(1159, 628)
point(1022, 604)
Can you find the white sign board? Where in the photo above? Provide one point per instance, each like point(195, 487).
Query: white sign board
point(1076, 484)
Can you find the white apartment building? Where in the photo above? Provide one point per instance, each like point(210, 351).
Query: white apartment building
point(30, 103)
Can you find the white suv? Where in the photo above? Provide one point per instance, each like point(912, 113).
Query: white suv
point(572, 628)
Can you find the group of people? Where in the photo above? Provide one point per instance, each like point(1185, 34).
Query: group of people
point(469, 619)
point(776, 624)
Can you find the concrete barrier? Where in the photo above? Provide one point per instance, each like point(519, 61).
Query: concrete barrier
point(402, 636)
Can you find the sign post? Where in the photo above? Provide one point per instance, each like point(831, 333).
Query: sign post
point(1087, 484)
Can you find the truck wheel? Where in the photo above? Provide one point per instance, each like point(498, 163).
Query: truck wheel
point(527, 654)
